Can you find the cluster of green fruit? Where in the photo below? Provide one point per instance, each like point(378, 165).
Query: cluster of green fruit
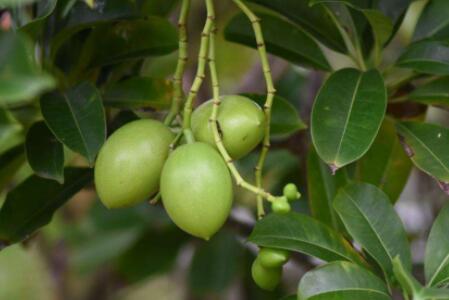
point(194, 181)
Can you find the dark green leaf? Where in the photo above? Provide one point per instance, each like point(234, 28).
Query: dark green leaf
point(430, 57)
point(32, 203)
point(371, 220)
point(426, 145)
point(385, 165)
point(322, 187)
point(20, 77)
point(435, 92)
point(10, 162)
point(281, 38)
point(314, 20)
point(215, 264)
point(436, 265)
point(44, 152)
point(285, 119)
point(341, 281)
point(139, 92)
point(43, 9)
point(433, 22)
point(14, 3)
point(347, 115)
point(77, 119)
point(301, 233)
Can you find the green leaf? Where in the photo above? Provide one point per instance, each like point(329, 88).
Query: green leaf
point(281, 38)
point(341, 281)
point(314, 20)
point(139, 92)
point(77, 119)
point(436, 265)
point(434, 294)
point(382, 28)
point(44, 152)
point(405, 278)
point(385, 165)
point(124, 40)
point(426, 145)
point(285, 119)
point(347, 114)
point(20, 77)
point(10, 162)
point(429, 57)
point(301, 233)
point(13, 3)
point(322, 187)
point(44, 8)
point(9, 127)
point(215, 264)
point(435, 92)
point(32, 203)
point(433, 21)
point(371, 220)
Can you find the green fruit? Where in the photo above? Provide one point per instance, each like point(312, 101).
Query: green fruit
point(129, 164)
point(291, 192)
point(280, 205)
point(265, 278)
point(241, 123)
point(196, 189)
point(271, 258)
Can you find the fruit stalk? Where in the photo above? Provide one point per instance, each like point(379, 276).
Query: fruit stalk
point(261, 193)
point(180, 66)
point(255, 22)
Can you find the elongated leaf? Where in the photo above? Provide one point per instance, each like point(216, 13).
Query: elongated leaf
point(9, 127)
point(435, 92)
point(77, 119)
point(371, 220)
point(385, 165)
point(405, 278)
point(282, 39)
point(285, 119)
point(298, 232)
point(45, 153)
point(314, 20)
point(434, 294)
point(32, 203)
point(13, 3)
point(436, 265)
point(430, 57)
point(20, 77)
point(427, 145)
point(347, 115)
point(10, 162)
point(322, 187)
point(139, 92)
point(382, 28)
point(341, 281)
point(43, 9)
point(433, 21)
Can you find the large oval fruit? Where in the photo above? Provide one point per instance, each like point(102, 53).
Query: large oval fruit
point(196, 189)
point(241, 123)
point(129, 165)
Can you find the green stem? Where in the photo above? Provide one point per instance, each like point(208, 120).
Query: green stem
point(180, 66)
point(261, 193)
point(255, 21)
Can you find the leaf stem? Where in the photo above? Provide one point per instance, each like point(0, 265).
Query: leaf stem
point(178, 93)
point(260, 192)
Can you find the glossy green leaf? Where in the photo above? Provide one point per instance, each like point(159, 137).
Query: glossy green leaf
point(435, 92)
point(301, 233)
point(124, 40)
point(20, 77)
point(430, 57)
point(385, 165)
point(426, 145)
point(347, 114)
point(371, 220)
point(433, 21)
point(382, 28)
point(32, 203)
point(281, 38)
point(10, 162)
point(285, 119)
point(44, 152)
point(43, 10)
point(139, 92)
point(77, 119)
point(14, 3)
point(434, 294)
point(314, 20)
point(322, 187)
point(436, 265)
point(341, 281)
point(215, 264)
point(405, 278)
